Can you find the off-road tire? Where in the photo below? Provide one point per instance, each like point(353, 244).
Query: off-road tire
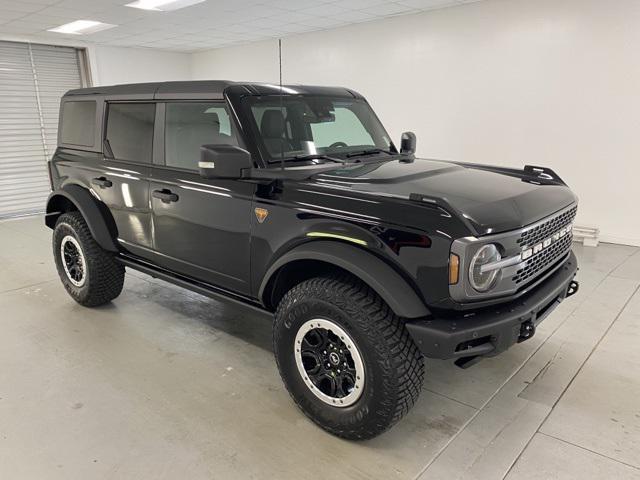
point(104, 275)
point(394, 367)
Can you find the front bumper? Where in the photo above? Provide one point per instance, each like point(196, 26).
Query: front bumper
point(490, 331)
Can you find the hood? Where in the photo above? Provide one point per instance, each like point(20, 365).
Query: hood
point(492, 201)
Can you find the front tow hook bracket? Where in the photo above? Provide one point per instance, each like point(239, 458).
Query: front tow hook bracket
point(573, 288)
point(527, 330)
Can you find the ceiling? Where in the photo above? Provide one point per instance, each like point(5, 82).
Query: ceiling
point(211, 24)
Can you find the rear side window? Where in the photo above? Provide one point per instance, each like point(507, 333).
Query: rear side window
point(79, 123)
point(129, 132)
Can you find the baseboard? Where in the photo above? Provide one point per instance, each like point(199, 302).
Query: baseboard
point(634, 242)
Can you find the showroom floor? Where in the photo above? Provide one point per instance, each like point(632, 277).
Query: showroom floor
point(164, 383)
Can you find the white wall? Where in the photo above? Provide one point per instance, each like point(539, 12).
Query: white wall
point(510, 82)
point(113, 65)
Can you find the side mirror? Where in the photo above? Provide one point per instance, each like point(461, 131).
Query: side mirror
point(223, 161)
point(408, 143)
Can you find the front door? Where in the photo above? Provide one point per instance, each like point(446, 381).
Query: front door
point(201, 227)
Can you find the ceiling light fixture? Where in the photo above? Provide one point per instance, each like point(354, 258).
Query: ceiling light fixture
point(81, 27)
point(162, 5)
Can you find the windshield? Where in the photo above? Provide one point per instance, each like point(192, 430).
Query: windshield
point(296, 127)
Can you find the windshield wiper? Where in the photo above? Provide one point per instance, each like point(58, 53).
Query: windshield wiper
point(318, 156)
point(370, 151)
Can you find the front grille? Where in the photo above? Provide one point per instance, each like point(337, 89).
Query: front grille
point(544, 230)
point(546, 237)
point(544, 259)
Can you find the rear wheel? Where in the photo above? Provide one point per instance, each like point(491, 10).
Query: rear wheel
point(345, 357)
point(90, 274)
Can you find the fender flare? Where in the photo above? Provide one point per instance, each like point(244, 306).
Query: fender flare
point(101, 226)
point(382, 278)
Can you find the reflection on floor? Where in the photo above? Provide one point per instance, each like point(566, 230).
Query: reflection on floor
point(164, 383)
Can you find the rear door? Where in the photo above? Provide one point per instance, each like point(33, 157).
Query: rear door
point(201, 226)
point(123, 183)
point(117, 176)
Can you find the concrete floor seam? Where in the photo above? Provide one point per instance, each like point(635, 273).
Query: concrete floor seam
point(522, 365)
point(589, 450)
point(482, 407)
point(564, 390)
point(450, 398)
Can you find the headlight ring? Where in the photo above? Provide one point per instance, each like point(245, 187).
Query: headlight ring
point(482, 282)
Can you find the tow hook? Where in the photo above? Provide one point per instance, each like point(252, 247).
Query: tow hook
point(573, 288)
point(467, 362)
point(527, 330)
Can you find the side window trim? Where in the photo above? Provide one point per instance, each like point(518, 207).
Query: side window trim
point(106, 147)
point(158, 155)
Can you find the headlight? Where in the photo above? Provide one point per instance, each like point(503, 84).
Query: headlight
point(484, 281)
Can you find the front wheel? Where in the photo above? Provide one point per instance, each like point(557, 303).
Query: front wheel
point(345, 357)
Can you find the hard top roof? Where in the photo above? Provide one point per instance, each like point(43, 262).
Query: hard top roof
point(206, 89)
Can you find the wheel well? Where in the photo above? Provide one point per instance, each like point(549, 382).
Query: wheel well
point(293, 273)
point(97, 215)
point(56, 207)
point(321, 258)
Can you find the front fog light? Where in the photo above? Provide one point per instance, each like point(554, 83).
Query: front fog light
point(484, 281)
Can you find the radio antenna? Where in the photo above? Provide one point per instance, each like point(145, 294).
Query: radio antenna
point(281, 105)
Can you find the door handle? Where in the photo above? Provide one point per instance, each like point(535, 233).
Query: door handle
point(167, 196)
point(102, 182)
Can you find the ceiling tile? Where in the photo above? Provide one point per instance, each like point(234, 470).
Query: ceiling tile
point(356, 16)
point(19, 27)
point(288, 17)
point(210, 24)
point(326, 9)
point(269, 32)
point(297, 28)
point(265, 22)
point(44, 3)
point(428, 4)
point(237, 28)
point(324, 22)
point(9, 15)
point(41, 21)
point(119, 15)
point(110, 34)
point(388, 9)
point(297, 4)
point(19, 7)
point(259, 11)
point(69, 14)
point(361, 4)
point(90, 6)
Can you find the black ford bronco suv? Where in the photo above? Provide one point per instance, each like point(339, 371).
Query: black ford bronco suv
point(294, 200)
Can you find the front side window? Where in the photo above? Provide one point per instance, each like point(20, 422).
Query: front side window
point(79, 123)
point(191, 125)
point(295, 126)
point(129, 133)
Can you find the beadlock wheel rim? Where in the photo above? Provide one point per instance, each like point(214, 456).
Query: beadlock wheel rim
point(329, 362)
point(73, 261)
